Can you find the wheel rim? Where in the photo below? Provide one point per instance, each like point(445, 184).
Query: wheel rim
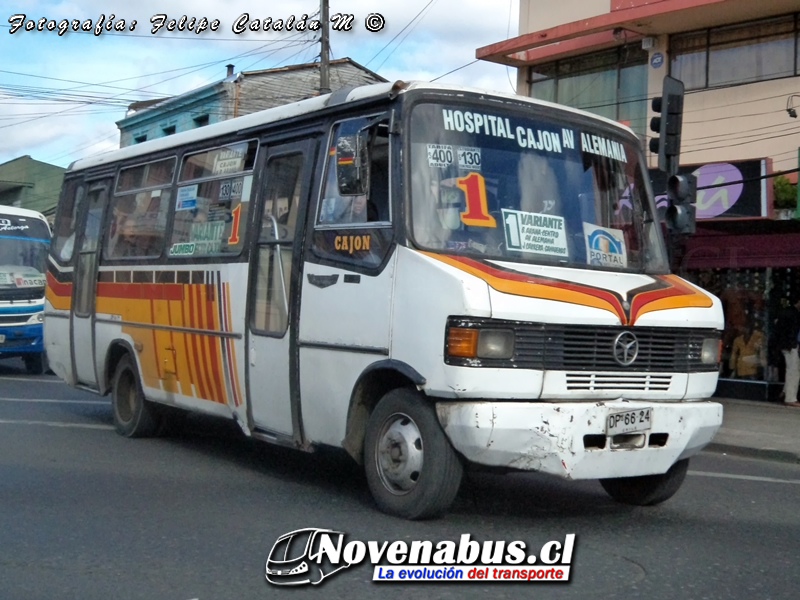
point(126, 397)
point(399, 454)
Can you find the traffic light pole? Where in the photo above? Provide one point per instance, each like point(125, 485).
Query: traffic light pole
point(681, 189)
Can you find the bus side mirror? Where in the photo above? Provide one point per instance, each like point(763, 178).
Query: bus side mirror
point(352, 163)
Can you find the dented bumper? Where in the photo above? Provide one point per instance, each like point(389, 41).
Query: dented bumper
point(569, 439)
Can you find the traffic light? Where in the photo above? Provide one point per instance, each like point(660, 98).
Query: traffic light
point(668, 126)
point(681, 192)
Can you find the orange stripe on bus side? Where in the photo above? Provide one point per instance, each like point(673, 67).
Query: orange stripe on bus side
point(215, 344)
point(233, 346)
point(187, 344)
point(205, 352)
point(58, 302)
point(197, 344)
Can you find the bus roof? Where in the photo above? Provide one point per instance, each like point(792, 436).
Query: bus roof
point(302, 107)
point(21, 212)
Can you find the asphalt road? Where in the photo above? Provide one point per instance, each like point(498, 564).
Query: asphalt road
point(89, 515)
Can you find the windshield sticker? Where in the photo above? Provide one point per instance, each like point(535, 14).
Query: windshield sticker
point(229, 160)
point(26, 281)
point(540, 140)
point(440, 156)
point(5, 279)
point(5, 225)
point(603, 147)
point(605, 247)
point(181, 249)
point(479, 123)
point(469, 158)
point(207, 237)
point(230, 189)
point(187, 198)
point(535, 232)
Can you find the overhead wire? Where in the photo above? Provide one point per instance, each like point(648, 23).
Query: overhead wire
point(422, 14)
point(399, 32)
point(138, 89)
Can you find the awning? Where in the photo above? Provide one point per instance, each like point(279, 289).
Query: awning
point(630, 20)
point(729, 251)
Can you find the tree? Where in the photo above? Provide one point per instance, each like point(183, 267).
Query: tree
point(785, 193)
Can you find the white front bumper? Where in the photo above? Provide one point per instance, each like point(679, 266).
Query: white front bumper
point(549, 437)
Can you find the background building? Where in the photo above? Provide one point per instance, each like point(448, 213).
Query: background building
point(740, 63)
point(32, 184)
point(236, 95)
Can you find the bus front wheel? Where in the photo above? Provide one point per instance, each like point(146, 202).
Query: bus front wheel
point(412, 470)
point(647, 490)
point(134, 416)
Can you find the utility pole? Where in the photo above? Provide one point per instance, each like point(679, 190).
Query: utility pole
point(324, 63)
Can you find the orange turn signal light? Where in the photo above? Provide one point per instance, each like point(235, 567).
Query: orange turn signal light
point(462, 342)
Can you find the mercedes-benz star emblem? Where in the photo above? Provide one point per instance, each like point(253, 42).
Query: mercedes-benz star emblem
point(626, 348)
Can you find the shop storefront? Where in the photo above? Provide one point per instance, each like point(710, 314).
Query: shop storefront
point(752, 263)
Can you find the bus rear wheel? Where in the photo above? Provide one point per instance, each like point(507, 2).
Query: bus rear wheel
point(647, 490)
point(411, 468)
point(134, 416)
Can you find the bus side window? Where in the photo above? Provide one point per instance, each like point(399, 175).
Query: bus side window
point(138, 224)
point(64, 236)
point(370, 208)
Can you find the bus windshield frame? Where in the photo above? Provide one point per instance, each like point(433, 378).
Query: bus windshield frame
point(546, 186)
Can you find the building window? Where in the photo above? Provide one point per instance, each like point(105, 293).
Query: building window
point(168, 130)
point(200, 121)
point(138, 139)
point(612, 84)
point(731, 55)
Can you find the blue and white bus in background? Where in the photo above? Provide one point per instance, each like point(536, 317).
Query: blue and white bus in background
point(24, 244)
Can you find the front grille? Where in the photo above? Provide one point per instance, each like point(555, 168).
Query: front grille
point(588, 348)
point(22, 294)
point(594, 382)
point(18, 319)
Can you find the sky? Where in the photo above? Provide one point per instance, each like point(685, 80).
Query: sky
point(60, 95)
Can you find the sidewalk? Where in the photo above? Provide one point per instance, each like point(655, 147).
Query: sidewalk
point(758, 429)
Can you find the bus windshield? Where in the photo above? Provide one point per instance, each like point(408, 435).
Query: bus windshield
point(498, 185)
point(23, 251)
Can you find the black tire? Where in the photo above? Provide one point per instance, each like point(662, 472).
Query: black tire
point(412, 470)
point(35, 364)
point(647, 490)
point(134, 416)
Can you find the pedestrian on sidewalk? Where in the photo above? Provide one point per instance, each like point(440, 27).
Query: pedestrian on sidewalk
point(787, 330)
point(747, 357)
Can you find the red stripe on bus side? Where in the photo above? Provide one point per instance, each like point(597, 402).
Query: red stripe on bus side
point(60, 289)
point(143, 291)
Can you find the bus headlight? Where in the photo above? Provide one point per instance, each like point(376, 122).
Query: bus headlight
point(496, 343)
point(711, 352)
point(468, 342)
point(37, 318)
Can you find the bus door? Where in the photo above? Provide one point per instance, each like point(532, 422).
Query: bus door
point(347, 285)
point(85, 284)
point(271, 361)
